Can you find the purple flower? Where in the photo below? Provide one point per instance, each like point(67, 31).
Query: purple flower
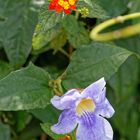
point(85, 110)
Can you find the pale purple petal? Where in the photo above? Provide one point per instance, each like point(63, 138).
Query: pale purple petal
point(104, 109)
point(94, 90)
point(66, 123)
point(93, 127)
point(67, 100)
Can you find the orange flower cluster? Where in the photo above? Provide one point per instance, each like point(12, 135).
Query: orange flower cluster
point(65, 138)
point(62, 5)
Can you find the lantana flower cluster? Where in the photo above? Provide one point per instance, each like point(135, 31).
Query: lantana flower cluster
point(62, 5)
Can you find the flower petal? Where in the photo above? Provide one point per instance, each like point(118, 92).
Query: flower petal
point(104, 109)
point(66, 123)
point(58, 8)
point(94, 90)
point(52, 4)
point(67, 100)
point(73, 7)
point(93, 127)
point(67, 11)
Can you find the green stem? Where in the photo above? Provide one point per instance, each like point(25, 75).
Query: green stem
point(73, 136)
point(120, 33)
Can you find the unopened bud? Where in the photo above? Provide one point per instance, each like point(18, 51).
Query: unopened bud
point(84, 11)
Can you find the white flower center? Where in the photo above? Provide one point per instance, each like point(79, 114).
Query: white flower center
point(85, 105)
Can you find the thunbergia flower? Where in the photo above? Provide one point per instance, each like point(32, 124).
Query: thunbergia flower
point(86, 111)
point(62, 5)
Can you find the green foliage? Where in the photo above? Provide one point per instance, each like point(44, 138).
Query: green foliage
point(103, 61)
point(76, 33)
point(4, 132)
point(48, 114)
point(5, 69)
point(120, 6)
point(17, 29)
point(44, 53)
point(46, 29)
point(25, 89)
point(124, 83)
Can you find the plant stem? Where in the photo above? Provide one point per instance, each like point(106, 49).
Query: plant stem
point(120, 33)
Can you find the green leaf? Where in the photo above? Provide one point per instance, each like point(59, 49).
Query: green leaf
point(58, 42)
point(31, 132)
point(25, 89)
point(48, 19)
point(125, 81)
point(47, 115)
point(4, 132)
point(135, 6)
point(17, 29)
point(124, 84)
point(92, 62)
point(47, 28)
point(22, 119)
point(114, 7)
point(46, 127)
point(76, 33)
point(53, 39)
point(122, 122)
point(41, 39)
point(5, 69)
point(131, 44)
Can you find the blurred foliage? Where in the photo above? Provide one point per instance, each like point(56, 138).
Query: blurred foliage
point(38, 46)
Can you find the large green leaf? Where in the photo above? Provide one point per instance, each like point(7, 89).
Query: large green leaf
point(92, 62)
point(25, 89)
point(5, 69)
point(76, 33)
point(131, 43)
point(124, 84)
point(114, 7)
point(125, 81)
point(17, 29)
point(4, 132)
point(46, 115)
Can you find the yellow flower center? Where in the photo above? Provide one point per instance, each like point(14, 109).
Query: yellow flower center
point(85, 105)
point(61, 2)
point(71, 2)
point(66, 5)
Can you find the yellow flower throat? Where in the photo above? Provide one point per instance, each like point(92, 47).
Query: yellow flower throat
point(85, 105)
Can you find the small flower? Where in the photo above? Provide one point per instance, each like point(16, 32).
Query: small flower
point(62, 5)
point(85, 110)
